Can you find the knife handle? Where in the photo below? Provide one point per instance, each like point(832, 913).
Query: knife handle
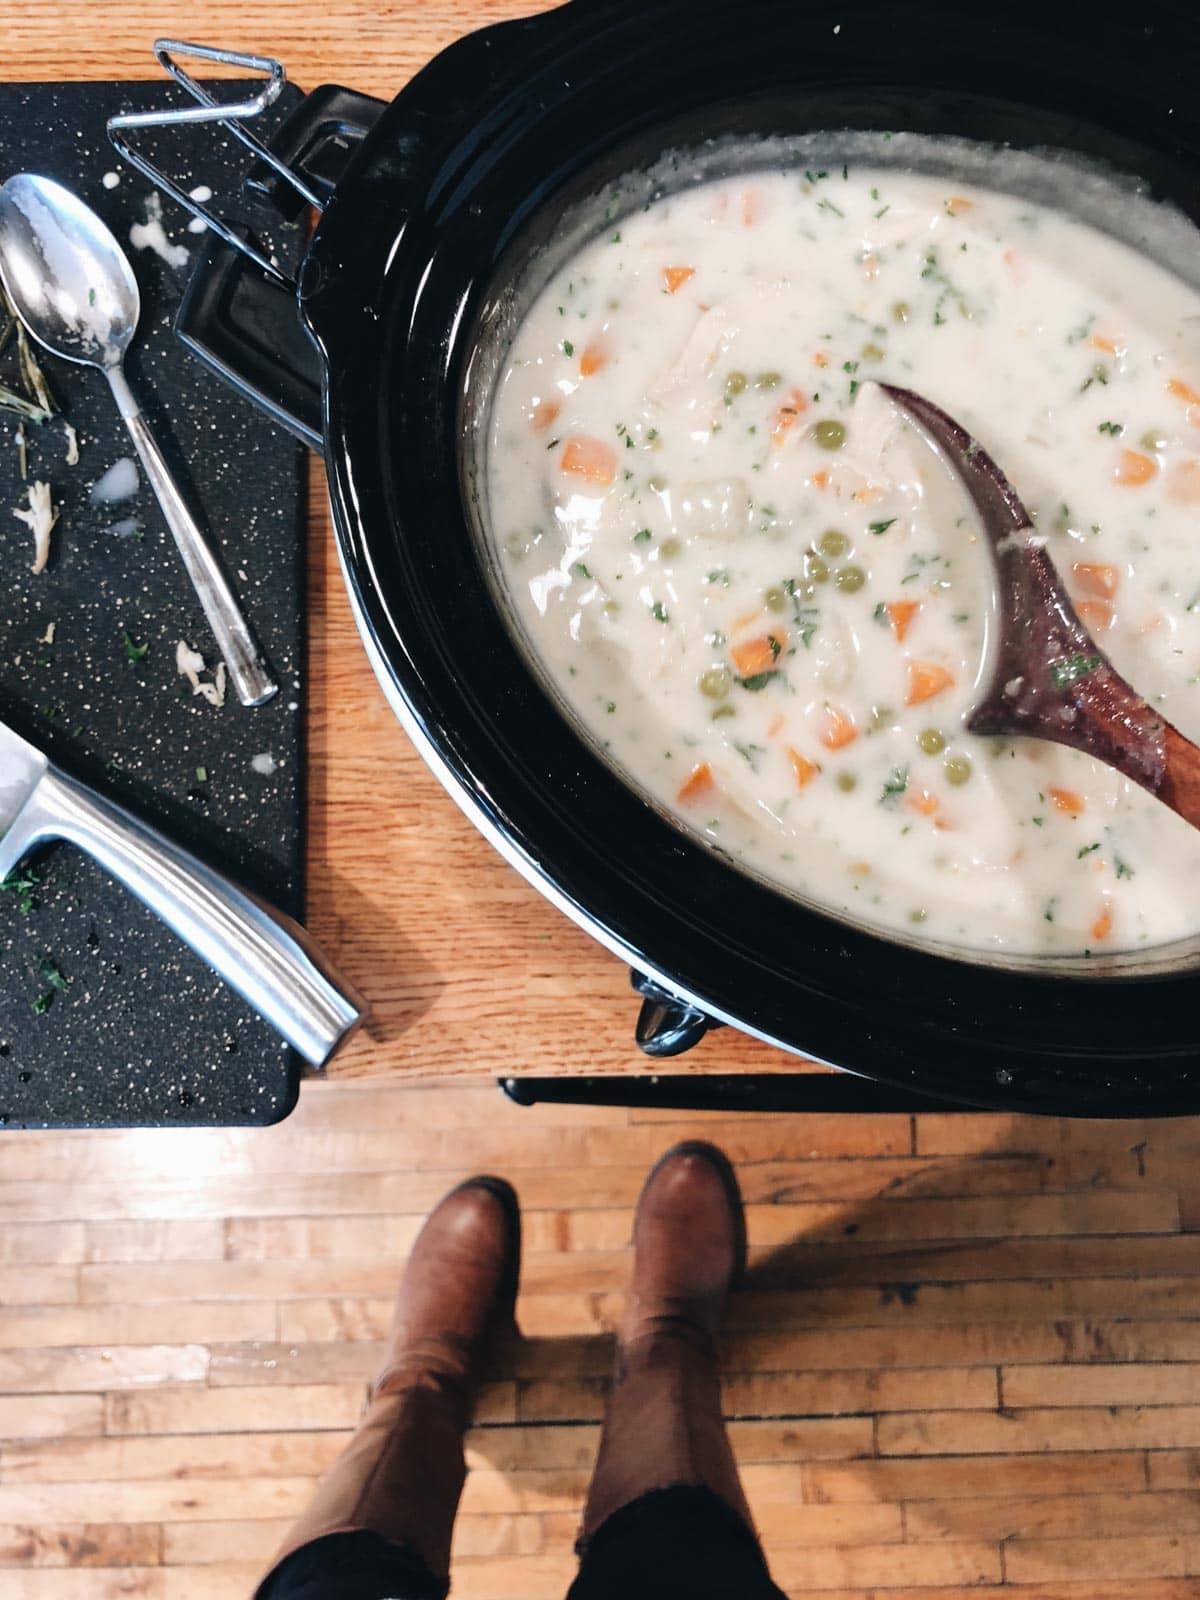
point(258, 951)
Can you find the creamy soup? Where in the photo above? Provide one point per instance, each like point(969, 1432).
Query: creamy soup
point(766, 597)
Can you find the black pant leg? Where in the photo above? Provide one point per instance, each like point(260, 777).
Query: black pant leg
point(683, 1543)
point(352, 1566)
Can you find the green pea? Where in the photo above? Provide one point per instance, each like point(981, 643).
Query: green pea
point(815, 569)
point(715, 683)
point(670, 547)
point(957, 770)
point(932, 741)
point(658, 483)
point(768, 380)
point(725, 710)
point(846, 781)
point(803, 590)
point(901, 311)
point(833, 543)
point(829, 433)
point(880, 717)
point(776, 599)
point(611, 607)
point(1152, 440)
point(850, 579)
point(735, 383)
point(917, 916)
point(872, 352)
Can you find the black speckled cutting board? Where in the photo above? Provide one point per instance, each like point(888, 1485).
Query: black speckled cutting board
point(142, 1033)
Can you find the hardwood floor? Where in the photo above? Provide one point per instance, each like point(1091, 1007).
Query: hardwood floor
point(968, 1357)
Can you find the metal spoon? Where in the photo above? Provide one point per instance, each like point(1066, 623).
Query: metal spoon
point(1051, 680)
point(72, 286)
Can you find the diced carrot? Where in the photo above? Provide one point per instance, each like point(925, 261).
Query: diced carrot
point(901, 614)
point(921, 801)
point(746, 619)
point(589, 459)
point(870, 264)
point(787, 415)
point(1096, 579)
point(676, 277)
point(775, 725)
point(698, 783)
point(544, 413)
point(821, 359)
point(821, 478)
point(1068, 800)
point(838, 728)
point(1134, 468)
point(1184, 391)
point(1103, 924)
point(1096, 615)
point(926, 679)
point(958, 203)
point(752, 207)
point(1098, 341)
point(753, 656)
point(868, 496)
point(1183, 482)
point(804, 769)
point(594, 357)
point(1015, 265)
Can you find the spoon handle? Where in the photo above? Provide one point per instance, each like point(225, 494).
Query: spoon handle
point(1180, 788)
point(248, 672)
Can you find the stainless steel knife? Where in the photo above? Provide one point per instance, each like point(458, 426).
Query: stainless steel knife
point(258, 951)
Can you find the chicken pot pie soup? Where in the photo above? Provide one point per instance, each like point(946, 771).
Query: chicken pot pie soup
point(766, 596)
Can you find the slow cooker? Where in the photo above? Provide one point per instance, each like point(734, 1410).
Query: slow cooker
point(441, 214)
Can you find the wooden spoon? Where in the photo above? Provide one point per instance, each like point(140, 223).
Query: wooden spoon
point(1051, 679)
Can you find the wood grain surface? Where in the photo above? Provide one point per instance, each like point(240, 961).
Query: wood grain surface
point(468, 969)
point(966, 1362)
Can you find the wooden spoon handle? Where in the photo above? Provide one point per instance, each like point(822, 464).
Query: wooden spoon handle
point(1180, 787)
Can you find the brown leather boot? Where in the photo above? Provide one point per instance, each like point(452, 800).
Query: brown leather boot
point(663, 1424)
point(402, 1473)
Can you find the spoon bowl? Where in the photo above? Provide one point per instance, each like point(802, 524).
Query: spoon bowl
point(1050, 679)
point(68, 279)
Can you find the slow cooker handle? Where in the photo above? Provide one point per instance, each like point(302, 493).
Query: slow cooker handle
point(241, 323)
point(667, 1025)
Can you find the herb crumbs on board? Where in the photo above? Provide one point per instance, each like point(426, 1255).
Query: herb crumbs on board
point(134, 652)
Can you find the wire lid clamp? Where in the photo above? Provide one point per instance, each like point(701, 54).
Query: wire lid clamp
point(232, 117)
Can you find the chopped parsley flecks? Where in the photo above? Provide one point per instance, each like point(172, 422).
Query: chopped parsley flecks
point(894, 787)
point(1069, 669)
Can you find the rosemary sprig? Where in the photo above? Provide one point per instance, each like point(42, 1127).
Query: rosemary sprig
point(31, 372)
point(10, 401)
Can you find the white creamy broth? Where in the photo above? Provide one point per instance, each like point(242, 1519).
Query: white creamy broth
point(767, 597)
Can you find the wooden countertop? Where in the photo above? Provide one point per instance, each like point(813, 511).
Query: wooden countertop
point(469, 970)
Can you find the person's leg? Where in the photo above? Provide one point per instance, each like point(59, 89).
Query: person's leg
point(392, 1496)
point(663, 1425)
point(665, 1513)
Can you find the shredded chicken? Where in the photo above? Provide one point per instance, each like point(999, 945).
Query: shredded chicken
point(190, 664)
point(214, 692)
point(40, 519)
